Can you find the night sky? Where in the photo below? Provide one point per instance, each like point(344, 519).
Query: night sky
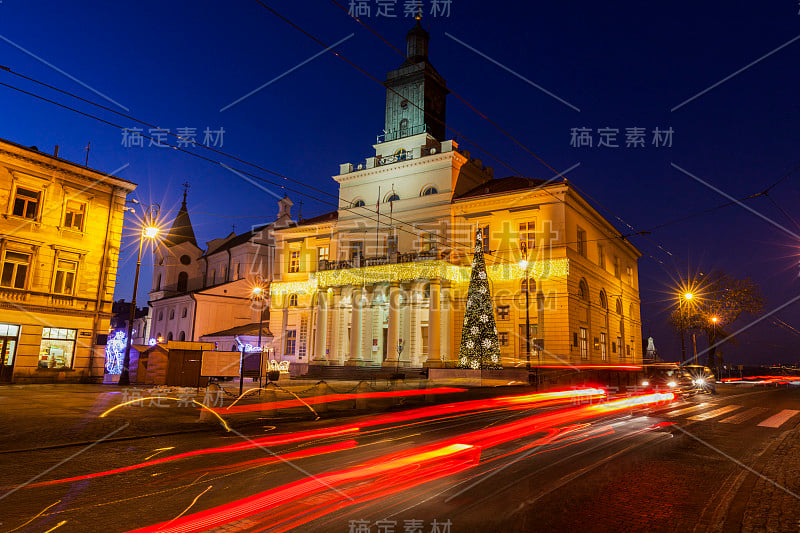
point(622, 64)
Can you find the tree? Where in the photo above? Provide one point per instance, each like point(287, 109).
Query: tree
point(479, 346)
point(722, 297)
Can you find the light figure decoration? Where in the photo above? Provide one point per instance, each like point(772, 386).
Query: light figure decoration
point(115, 352)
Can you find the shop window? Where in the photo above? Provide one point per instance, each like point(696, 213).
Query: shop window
point(74, 215)
point(26, 203)
point(15, 270)
point(290, 342)
point(57, 348)
point(294, 261)
point(502, 312)
point(65, 277)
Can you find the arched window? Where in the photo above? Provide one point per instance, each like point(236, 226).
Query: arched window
point(235, 348)
point(183, 281)
point(359, 203)
point(427, 291)
point(583, 290)
point(392, 197)
point(184, 312)
point(181, 336)
point(292, 300)
point(171, 314)
point(169, 336)
point(603, 300)
point(619, 306)
point(429, 191)
point(401, 154)
point(160, 317)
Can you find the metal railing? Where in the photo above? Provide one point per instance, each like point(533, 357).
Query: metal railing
point(400, 133)
point(361, 261)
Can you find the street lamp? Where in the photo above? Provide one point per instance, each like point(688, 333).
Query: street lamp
point(258, 293)
point(149, 231)
point(524, 265)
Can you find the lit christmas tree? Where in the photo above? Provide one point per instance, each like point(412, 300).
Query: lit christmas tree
point(479, 346)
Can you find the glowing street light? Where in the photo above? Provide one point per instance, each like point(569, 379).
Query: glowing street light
point(688, 296)
point(149, 231)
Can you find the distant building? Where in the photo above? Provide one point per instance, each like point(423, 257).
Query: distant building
point(336, 275)
point(198, 293)
point(60, 233)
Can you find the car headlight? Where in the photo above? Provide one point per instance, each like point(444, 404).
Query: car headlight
point(645, 383)
point(672, 384)
point(700, 382)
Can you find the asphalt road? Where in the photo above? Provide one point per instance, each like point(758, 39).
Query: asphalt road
point(727, 462)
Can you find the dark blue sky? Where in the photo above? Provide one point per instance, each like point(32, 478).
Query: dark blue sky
point(625, 64)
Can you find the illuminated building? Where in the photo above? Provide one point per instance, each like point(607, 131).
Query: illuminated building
point(200, 292)
point(364, 288)
point(60, 233)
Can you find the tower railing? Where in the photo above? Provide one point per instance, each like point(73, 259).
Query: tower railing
point(400, 133)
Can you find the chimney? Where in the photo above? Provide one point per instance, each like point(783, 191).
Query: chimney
point(55, 152)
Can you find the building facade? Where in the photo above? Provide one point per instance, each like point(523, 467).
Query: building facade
point(200, 292)
point(382, 281)
point(60, 234)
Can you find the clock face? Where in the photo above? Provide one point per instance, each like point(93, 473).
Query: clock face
point(404, 104)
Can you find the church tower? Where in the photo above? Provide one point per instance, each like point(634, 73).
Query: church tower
point(415, 93)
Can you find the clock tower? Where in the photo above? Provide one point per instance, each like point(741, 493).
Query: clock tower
point(415, 93)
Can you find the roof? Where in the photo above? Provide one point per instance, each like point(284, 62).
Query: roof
point(181, 230)
point(325, 217)
point(236, 240)
point(247, 329)
point(505, 185)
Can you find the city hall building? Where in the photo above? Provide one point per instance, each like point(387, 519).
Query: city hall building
point(383, 280)
point(60, 233)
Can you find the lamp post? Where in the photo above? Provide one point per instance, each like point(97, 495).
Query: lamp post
point(524, 266)
point(258, 292)
point(149, 231)
point(687, 296)
point(713, 350)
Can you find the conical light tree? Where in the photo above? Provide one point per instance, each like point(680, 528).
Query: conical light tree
point(479, 346)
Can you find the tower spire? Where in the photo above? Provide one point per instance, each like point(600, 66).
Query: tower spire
point(185, 190)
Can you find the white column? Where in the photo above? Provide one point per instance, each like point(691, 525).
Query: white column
point(322, 327)
point(445, 304)
point(394, 325)
point(336, 326)
point(368, 324)
point(434, 326)
point(355, 327)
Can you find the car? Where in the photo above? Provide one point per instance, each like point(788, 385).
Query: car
point(667, 377)
point(702, 378)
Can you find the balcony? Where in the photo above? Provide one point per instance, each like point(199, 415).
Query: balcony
point(399, 134)
point(393, 258)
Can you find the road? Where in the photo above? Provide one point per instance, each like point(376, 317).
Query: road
point(725, 462)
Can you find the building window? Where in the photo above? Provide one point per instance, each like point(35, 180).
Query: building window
point(484, 237)
point(616, 266)
point(301, 347)
point(185, 259)
point(74, 214)
point(404, 122)
point(292, 300)
point(158, 283)
point(57, 348)
point(581, 243)
point(160, 318)
point(294, 261)
point(183, 281)
point(26, 203)
point(172, 314)
point(574, 339)
point(584, 344)
point(323, 254)
point(393, 197)
point(629, 271)
point(290, 342)
point(583, 290)
point(619, 307)
point(65, 277)
point(621, 347)
point(356, 250)
point(428, 242)
point(359, 203)
point(15, 270)
point(169, 336)
point(182, 336)
point(603, 300)
point(603, 349)
point(502, 312)
point(527, 238)
point(613, 347)
point(601, 250)
point(429, 191)
point(184, 312)
point(502, 338)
